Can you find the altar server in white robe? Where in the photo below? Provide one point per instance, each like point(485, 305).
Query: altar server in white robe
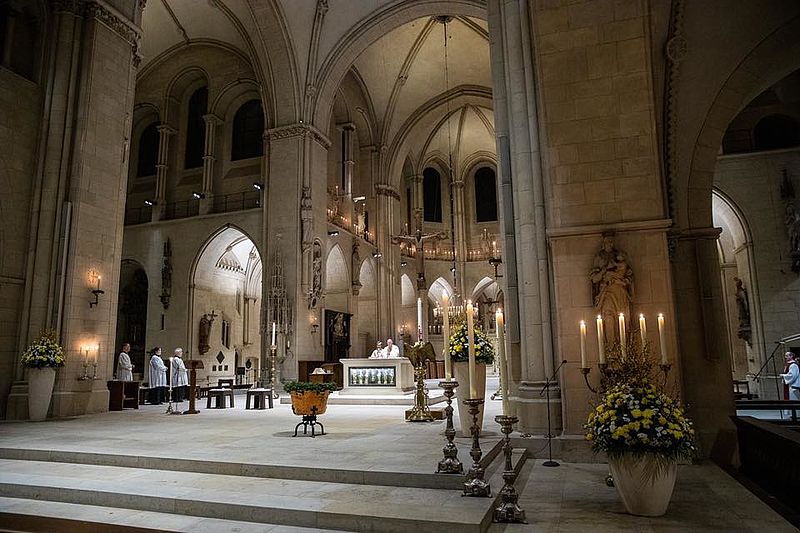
point(124, 366)
point(391, 351)
point(792, 376)
point(180, 378)
point(377, 353)
point(158, 377)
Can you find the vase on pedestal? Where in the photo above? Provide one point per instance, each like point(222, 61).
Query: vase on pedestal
point(461, 373)
point(40, 391)
point(644, 483)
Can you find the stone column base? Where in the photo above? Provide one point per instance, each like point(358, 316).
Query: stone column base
point(531, 408)
point(74, 403)
point(17, 406)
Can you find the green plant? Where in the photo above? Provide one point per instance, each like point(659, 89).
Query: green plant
point(459, 345)
point(44, 352)
point(307, 386)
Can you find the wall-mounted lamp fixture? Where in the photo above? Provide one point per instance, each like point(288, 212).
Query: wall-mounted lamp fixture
point(258, 186)
point(198, 195)
point(150, 203)
point(359, 198)
point(333, 233)
point(314, 325)
point(94, 278)
point(403, 263)
point(377, 255)
point(453, 270)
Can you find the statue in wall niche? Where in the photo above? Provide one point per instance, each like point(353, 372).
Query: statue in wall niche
point(166, 274)
point(612, 283)
point(316, 276)
point(204, 332)
point(743, 307)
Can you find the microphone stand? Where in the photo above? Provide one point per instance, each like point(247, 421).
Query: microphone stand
point(771, 357)
point(546, 389)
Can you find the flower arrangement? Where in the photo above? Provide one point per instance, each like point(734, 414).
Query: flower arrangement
point(633, 416)
point(638, 419)
point(459, 345)
point(44, 352)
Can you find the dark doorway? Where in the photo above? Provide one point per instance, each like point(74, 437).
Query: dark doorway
point(132, 315)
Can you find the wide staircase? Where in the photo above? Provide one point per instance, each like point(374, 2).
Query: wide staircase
point(43, 490)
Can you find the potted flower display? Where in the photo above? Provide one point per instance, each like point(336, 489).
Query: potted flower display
point(459, 354)
point(41, 359)
point(644, 433)
point(309, 398)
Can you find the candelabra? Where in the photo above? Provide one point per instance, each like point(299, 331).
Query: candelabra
point(475, 485)
point(603, 367)
point(508, 510)
point(94, 371)
point(450, 464)
point(420, 412)
point(85, 376)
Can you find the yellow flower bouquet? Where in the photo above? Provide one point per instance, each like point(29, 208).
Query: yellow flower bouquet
point(459, 345)
point(44, 352)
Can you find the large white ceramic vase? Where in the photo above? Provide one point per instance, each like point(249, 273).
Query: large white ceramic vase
point(461, 373)
point(643, 483)
point(40, 391)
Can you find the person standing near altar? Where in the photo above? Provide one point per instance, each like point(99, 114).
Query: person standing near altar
point(391, 351)
point(158, 377)
point(180, 378)
point(377, 353)
point(124, 366)
point(791, 377)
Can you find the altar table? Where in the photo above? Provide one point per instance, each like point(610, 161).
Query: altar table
point(377, 376)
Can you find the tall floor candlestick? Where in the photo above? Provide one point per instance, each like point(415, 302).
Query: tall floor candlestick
point(473, 386)
point(419, 319)
point(448, 368)
point(450, 464)
point(505, 388)
point(509, 509)
point(476, 485)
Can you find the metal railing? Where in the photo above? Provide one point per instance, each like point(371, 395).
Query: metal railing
point(191, 208)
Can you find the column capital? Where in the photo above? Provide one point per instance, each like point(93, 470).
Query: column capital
point(299, 129)
point(166, 129)
point(384, 189)
point(346, 126)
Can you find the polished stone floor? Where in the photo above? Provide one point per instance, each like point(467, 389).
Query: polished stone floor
point(370, 469)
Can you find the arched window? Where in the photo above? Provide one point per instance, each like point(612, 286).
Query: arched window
point(196, 129)
point(485, 195)
point(248, 128)
point(776, 131)
point(148, 151)
point(432, 195)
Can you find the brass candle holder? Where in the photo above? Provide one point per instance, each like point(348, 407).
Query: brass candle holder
point(450, 464)
point(420, 412)
point(509, 510)
point(475, 485)
point(273, 356)
point(603, 367)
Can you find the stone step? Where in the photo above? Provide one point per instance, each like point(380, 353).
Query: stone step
point(249, 499)
point(318, 474)
point(18, 514)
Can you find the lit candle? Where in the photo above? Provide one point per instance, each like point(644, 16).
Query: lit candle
point(583, 345)
point(622, 339)
point(642, 329)
point(501, 353)
point(419, 319)
point(448, 369)
point(601, 340)
point(473, 386)
point(96, 355)
point(98, 282)
point(662, 337)
point(273, 334)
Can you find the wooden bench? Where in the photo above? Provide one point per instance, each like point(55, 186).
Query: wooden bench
point(219, 395)
point(260, 396)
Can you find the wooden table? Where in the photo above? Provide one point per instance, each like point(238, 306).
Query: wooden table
point(220, 395)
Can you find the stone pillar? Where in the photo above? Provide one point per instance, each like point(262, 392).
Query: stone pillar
point(80, 191)
point(387, 199)
point(209, 157)
point(460, 238)
point(417, 198)
point(703, 348)
point(162, 166)
point(522, 212)
point(348, 165)
point(8, 38)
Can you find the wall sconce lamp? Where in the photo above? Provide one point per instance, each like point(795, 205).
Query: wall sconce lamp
point(150, 203)
point(359, 198)
point(403, 263)
point(198, 195)
point(258, 186)
point(94, 276)
point(314, 325)
point(333, 234)
point(453, 270)
point(496, 262)
point(377, 255)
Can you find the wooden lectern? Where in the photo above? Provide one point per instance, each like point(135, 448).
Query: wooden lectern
point(193, 365)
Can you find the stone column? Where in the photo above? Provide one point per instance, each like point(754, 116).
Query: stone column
point(348, 165)
point(704, 364)
point(387, 199)
point(162, 166)
point(522, 212)
point(209, 157)
point(460, 238)
point(80, 191)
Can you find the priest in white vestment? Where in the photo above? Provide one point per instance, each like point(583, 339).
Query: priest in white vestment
point(377, 353)
point(124, 366)
point(180, 378)
point(158, 377)
point(391, 351)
